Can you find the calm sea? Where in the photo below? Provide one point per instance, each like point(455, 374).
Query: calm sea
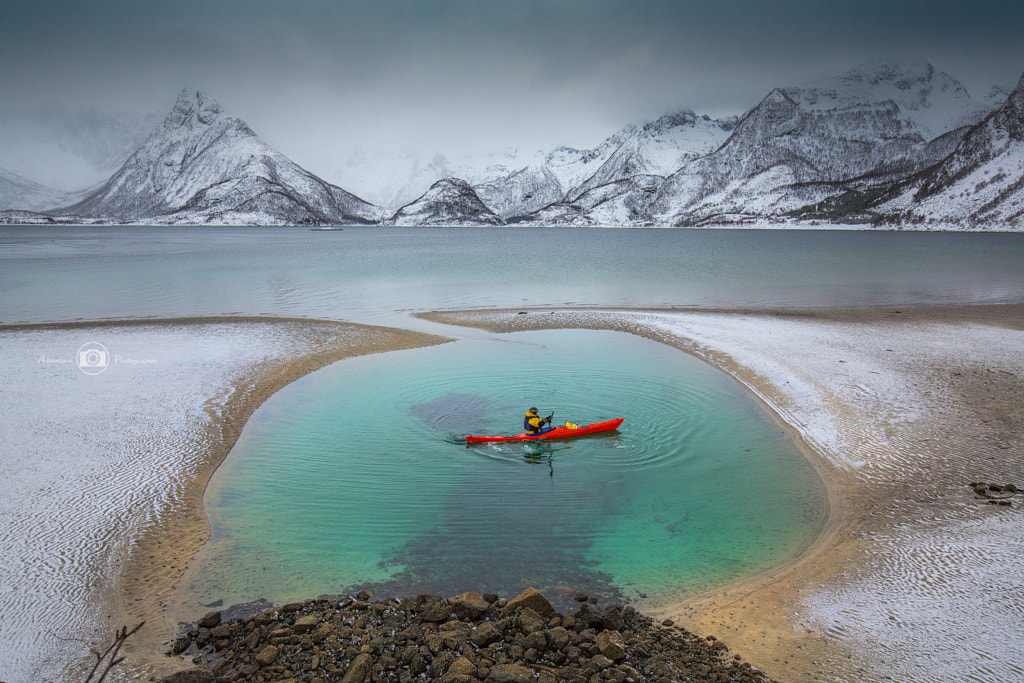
point(378, 274)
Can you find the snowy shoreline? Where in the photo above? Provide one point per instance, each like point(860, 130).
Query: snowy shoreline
point(104, 473)
point(901, 409)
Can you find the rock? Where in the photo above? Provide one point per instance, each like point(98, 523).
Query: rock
point(611, 645)
point(359, 668)
point(181, 644)
point(510, 673)
point(491, 598)
point(582, 597)
point(457, 678)
point(668, 622)
point(485, 634)
point(530, 621)
point(307, 623)
point(558, 638)
point(253, 639)
point(203, 637)
point(613, 620)
point(222, 631)
point(196, 675)
point(267, 655)
point(588, 617)
point(463, 667)
point(210, 620)
point(364, 595)
point(469, 605)
point(328, 640)
point(533, 599)
point(438, 611)
point(537, 640)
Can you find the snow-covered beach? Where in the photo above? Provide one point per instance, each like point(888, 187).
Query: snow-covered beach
point(104, 472)
point(913, 578)
point(899, 410)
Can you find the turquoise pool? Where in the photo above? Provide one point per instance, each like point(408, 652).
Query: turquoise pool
point(358, 475)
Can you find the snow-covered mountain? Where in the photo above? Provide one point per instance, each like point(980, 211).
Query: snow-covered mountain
point(516, 183)
point(875, 124)
point(506, 177)
point(658, 148)
point(888, 141)
point(448, 202)
point(203, 166)
point(981, 183)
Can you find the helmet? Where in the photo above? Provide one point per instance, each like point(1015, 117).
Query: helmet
point(532, 410)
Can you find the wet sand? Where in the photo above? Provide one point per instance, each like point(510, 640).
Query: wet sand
point(115, 466)
point(912, 577)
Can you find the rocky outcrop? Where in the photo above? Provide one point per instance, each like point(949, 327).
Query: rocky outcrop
point(360, 640)
point(448, 202)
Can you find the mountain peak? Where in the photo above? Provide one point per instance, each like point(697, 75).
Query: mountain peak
point(203, 166)
point(902, 72)
point(194, 104)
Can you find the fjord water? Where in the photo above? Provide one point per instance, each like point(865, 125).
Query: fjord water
point(56, 273)
point(359, 475)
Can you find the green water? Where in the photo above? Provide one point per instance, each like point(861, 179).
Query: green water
point(358, 475)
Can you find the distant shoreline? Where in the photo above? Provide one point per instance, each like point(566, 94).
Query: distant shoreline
point(45, 220)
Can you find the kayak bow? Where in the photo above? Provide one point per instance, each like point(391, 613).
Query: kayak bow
point(556, 433)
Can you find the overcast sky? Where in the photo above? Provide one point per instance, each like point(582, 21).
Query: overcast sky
point(317, 77)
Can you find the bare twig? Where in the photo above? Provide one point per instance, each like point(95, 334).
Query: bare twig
point(111, 654)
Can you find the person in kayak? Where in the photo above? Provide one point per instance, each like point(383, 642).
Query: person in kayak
point(534, 423)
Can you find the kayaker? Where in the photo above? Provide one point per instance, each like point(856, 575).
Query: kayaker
point(534, 423)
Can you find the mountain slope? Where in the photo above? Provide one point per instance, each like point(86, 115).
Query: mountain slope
point(980, 183)
point(522, 192)
point(659, 148)
point(448, 202)
point(875, 124)
point(203, 166)
point(21, 194)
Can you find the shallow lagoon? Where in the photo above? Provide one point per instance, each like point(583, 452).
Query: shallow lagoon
point(358, 475)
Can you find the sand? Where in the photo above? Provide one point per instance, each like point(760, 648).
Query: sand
point(899, 410)
point(104, 475)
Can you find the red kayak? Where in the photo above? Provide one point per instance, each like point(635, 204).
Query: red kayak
point(556, 433)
